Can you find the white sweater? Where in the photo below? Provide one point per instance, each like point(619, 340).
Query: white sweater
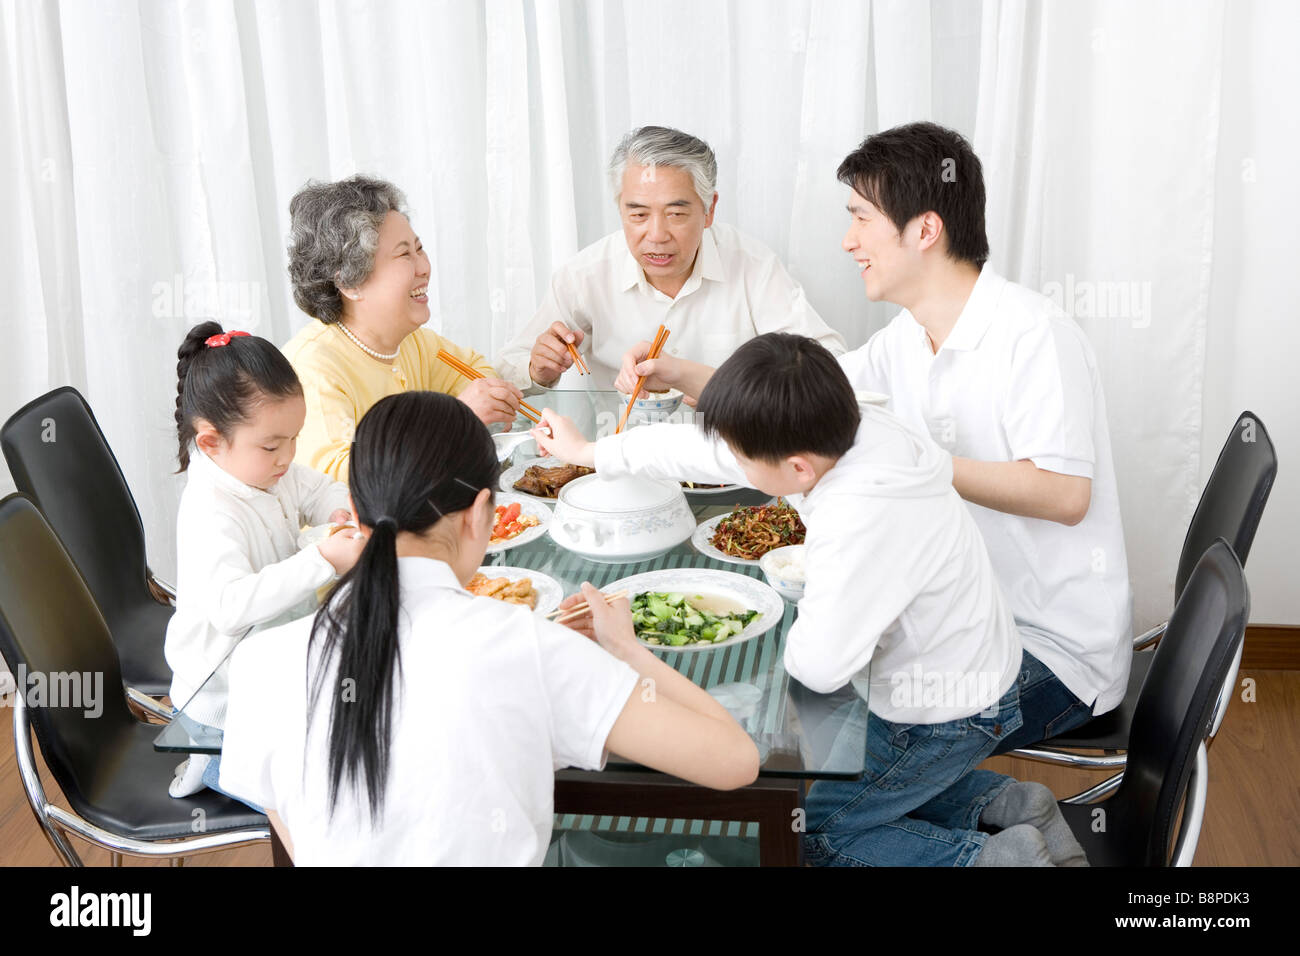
point(900, 600)
point(239, 567)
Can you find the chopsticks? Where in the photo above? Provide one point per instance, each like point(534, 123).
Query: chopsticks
point(573, 613)
point(472, 373)
point(655, 348)
point(577, 359)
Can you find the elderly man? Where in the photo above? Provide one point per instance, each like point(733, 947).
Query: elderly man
point(712, 287)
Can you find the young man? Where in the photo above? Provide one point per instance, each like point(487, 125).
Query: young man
point(671, 264)
point(1007, 384)
point(900, 601)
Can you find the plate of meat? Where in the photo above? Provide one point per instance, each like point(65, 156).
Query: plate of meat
point(541, 478)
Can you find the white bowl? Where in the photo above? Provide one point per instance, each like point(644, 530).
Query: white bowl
point(619, 520)
point(784, 569)
point(657, 407)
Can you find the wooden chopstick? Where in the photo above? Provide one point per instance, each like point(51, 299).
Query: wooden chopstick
point(655, 348)
point(577, 359)
point(472, 373)
point(569, 613)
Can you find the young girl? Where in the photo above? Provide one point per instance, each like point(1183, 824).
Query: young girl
point(239, 408)
point(414, 723)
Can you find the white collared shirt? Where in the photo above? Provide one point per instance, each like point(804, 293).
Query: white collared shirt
point(238, 565)
point(900, 599)
point(737, 290)
point(1017, 379)
point(490, 700)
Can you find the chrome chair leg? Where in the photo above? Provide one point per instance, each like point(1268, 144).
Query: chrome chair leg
point(114, 859)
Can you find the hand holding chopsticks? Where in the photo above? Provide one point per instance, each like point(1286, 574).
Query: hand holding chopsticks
point(474, 374)
point(656, 347)
point(572, 613)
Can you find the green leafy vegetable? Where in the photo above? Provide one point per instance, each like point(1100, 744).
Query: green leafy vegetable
point(670, 620)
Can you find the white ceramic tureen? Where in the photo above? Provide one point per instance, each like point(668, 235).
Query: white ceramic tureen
point(619, 520)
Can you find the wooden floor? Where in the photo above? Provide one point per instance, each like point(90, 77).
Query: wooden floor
point(1254, 798)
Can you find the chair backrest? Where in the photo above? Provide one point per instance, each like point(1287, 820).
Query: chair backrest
point(58, 646)
point(59, 458)
point(1234, 497)
point(1176, 706)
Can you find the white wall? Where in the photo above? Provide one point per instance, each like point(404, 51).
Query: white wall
point(1254, 330)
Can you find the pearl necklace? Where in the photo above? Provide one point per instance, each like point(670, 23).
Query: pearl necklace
point(365, 348)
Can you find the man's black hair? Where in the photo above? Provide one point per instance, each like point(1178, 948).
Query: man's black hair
point(910, 170)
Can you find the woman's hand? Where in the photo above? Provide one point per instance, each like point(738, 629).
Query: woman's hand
point(550, 355)
point(611, 624)
point(492, 400)
point(343, 549)
point(559, 437)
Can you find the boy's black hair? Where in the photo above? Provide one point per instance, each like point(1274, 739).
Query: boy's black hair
point(780, 395)
point(221, 385)
point(910, 170)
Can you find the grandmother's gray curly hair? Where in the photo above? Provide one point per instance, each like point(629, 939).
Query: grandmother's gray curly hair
point(333, 232)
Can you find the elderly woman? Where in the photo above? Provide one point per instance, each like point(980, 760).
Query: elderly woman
point(359, 270)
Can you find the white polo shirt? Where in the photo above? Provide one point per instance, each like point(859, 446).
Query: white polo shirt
point(737, 290)
point(491, 700)
point(1017, 379)
point(901, 600)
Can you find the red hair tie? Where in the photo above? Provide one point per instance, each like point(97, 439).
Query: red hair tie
point(216, 341)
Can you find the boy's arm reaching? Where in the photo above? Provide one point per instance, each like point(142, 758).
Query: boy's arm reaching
point(652, 451)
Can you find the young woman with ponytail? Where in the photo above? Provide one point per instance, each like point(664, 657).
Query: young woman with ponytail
point(239, 408)
point(414, 723)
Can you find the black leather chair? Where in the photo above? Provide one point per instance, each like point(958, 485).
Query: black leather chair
point(105, 763)
point(76, 482)
point(1230, 508)
point(1180, 701)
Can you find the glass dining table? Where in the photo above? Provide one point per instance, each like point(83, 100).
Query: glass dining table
point(628, 814)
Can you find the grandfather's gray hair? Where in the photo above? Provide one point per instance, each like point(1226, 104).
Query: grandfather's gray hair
point(661, 146)
point(333, 233)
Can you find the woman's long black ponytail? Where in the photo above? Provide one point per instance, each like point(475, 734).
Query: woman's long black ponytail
point(417, 457)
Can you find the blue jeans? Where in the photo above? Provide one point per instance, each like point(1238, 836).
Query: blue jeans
point(1046, 704)
point(920, 800)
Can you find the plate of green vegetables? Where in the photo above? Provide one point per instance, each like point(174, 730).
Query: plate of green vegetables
point(695, 609)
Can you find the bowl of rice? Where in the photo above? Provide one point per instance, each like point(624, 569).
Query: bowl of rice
point(784, 569)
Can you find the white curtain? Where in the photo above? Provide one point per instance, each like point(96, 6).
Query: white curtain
point(152, 149)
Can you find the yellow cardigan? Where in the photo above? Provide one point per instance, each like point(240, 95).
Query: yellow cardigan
point(340, 383)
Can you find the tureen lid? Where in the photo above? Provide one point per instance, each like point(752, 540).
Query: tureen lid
point(613, 495)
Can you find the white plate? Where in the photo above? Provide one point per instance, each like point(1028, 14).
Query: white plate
point(724, 490)
point(316, 534)
point(528, 505)
point(549, 592)
point(516, 471)
point(753, 594)
point(702, 540)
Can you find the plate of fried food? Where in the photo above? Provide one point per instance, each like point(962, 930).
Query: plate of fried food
point(541, 478)
point(519, 519)
point(746, 534)
point(532, 589)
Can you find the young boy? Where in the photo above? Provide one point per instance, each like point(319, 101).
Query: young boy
point(900, 600)
point(1008, 385)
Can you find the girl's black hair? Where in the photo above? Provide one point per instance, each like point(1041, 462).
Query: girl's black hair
point(221, 385)
point(417, 457)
